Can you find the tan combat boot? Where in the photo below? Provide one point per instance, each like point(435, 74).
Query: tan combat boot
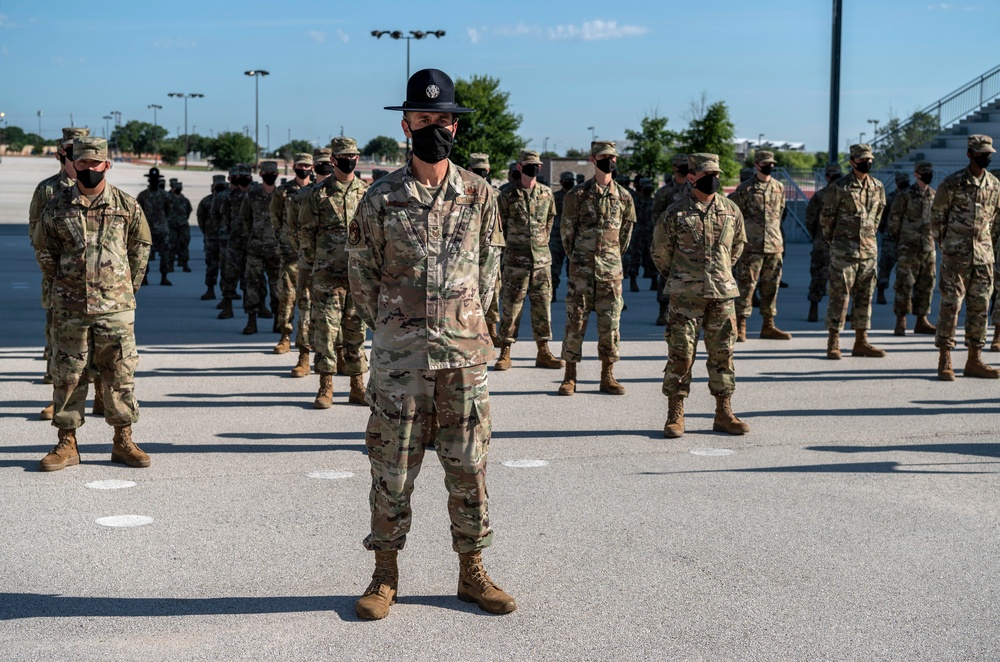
point(741, 329)
point(65, 454)
point(725, 419)
point(341, 362)
point(974, 366)
point(357, 395)
point(769, 331)
point(324, 399)
point(545, 359)
point(284, 344)
point(494, 336)
point(675, 417)
point(381, 592)
point(608, 382)
point(900, 329)
point(98, 409)
point(48, 413)
point(503, 363)
point(124, 451)
point(924, 326)
point(251, 327)
point(301, 368)
point(863, 348)
point(995, 345)
point(945, 373)
point(568, 386)
point(474, 585)
point(833, 345)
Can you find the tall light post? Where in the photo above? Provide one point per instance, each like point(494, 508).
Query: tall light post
point(861, 138)
point(117, 115)
point(156, 148)
point(3, 133)
point(268, 150)
point(874, 124)
point(39, 124)
point(107, 127)
point(256, 74)
point(414, 34)
point(760, 140)
point(187, 139)
point(592, 134)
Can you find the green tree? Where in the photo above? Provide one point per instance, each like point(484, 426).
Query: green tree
point(573, 152)
point(15, 138)
point(650, 147)
point(171, 151)
point(711, 130)
point(382, 147)
point(289, 150)
point(790, 160)
point(549, 155)
point(131, 136)
point(230, 148)
point(896, 137)
point(492, 129)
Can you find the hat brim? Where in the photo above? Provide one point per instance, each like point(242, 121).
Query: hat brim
point(762, 162)
point(531, 162)
point(431, 108)
point(350, 152)
point(605, 152)
point(984, 149)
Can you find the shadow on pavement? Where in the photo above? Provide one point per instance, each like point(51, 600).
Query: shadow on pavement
point(977, 449)
point(844, 468)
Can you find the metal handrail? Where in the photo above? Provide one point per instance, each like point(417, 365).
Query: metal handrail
point(793, 193)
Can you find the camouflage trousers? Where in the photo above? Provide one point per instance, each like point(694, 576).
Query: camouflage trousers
point(584, 296)
point(260, 279)
point(212, 248)
point(492, 314)
point(690, 313)
point(850, 278)
point(972, 283)
point(558, 255)
point(162, 246)
point(303, 299)
point(639, 254)
point(819, 269)
point(288, 277)
point(334, 322)
point(754, 268)
point(914, 282)
point(404, 404)
point(887, 255)
point(234, 268)
point(223, 254)
point(180, 240)
point(520, 283)
point(104, 343)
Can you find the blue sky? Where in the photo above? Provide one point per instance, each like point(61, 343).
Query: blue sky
point(567, 65)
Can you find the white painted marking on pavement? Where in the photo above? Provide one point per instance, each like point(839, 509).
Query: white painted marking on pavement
point(525, 464)
point(124, 520)
point(713, 452)
point(331, 475)
point(110, 484)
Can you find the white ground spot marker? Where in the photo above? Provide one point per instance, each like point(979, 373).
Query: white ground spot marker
point(331, 475)
point(124, 520)
point(110, 484)
point(713, 452)
point(525, 464)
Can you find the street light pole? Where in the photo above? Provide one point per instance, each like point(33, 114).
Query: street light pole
point(256, 75)
point(269, 138)
point(107, 127)
point(414, 34)
point(156, 149)
point(3, 132)
point(117, 114)
point(187, 138)
point(592, 134)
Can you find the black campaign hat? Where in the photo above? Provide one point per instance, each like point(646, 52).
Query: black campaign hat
point(431, 90)
point(153, 173)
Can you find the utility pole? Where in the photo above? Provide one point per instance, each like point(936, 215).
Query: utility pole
point(187, 138)
point(156, 148)
point(835, 81)
point(256, 74)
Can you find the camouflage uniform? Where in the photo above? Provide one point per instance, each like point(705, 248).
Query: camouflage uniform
point(596, 227)
point(423, 266)
point(236, 248)
point(303, 283)
point(665, 196)
point(888, 253)
point(910, 229)
point(222, 223)
point(263, 262)
point(555, 238)
point(526, 217)
point(287, 291)
point(155, 205)
point(964, 215)
point(819, 262)
point(180, 230)
point(208, 223)
point(643, 235)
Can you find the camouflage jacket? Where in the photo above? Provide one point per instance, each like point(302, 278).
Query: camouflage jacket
point(279, 219)
point(180, 208)
point(94, 253)
point(813, 209)
point(644, 213)
point(45, 191)
point(229, 211)
point(205, 218)
point(156, 206)
point(526, 217)
point(667, 195)
point(293, 210)
point(423, 267)
point(850, 216)
point(762, 204)
point(890, 198)
point(696, 244)
point(323, 220)
point(221, 223)
point(255, 218)
point(964, 216)
point(910, 220)
point(596, 228)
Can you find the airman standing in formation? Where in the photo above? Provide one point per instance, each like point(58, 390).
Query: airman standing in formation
point(263, 262)
point(639, 256)
point(180, 229)
point(156, 207)
point(909, 229)
point(596, 227)
point(288, 248)
point(888, 253)
point(566, 184)
point(208, 224)
point(819, 257)
point(965, 213)
point(480, 163)
point(695, 243)
point(236, 246)
point(675, 188)
point(222, 223)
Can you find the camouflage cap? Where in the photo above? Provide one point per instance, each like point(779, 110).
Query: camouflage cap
point(529, 156)
point(923, 167)
point(645, 182)
point(832, 170)
point(322, 155)
point(71, 132)
point(602, 148)
point(243, 169)
point(764, 156)
point(90, 147)
point(861, 151)
point(479, 160)
point(218, 179)
point(173, 180)
point(343, 146)
point(233, 171)
point(567, 176)
point(704, 162)
point(902, 179)
point(302, 157)
point(981, 143)
point(680, 159)
point(268, 166)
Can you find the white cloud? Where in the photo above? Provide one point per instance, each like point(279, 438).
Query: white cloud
point(596, 30)
point(519, 30)
point(474, 35)
point(949, 6)
point(317, 36)
point(5, 22)
point(342, 36)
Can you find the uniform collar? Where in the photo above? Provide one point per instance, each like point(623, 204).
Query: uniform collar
point(452, 185)
point(102, 200)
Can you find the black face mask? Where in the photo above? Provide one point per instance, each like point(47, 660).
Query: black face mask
point(218, 188)
point(154, 183)
point(323, 168)
point(568, 185)
point(647, 190)
point(432, 144)
point(708, 185)
point(529, 169)
point(301, 173)
point(482, 172)
point(983, 160)
point(605, 165)
point(926, 177)
point(69, 153)
point(346, 165)
point(269, 178)
point(244, 180)
point(864, 167)
point(89, 178)
point(766, 169)
point(682, 170)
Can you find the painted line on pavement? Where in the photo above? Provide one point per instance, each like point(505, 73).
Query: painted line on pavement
point(110, 484)
point(331, 475)
point(525, 464)
point(120, 521)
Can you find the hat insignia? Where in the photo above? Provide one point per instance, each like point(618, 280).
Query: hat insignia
point(433, 91)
